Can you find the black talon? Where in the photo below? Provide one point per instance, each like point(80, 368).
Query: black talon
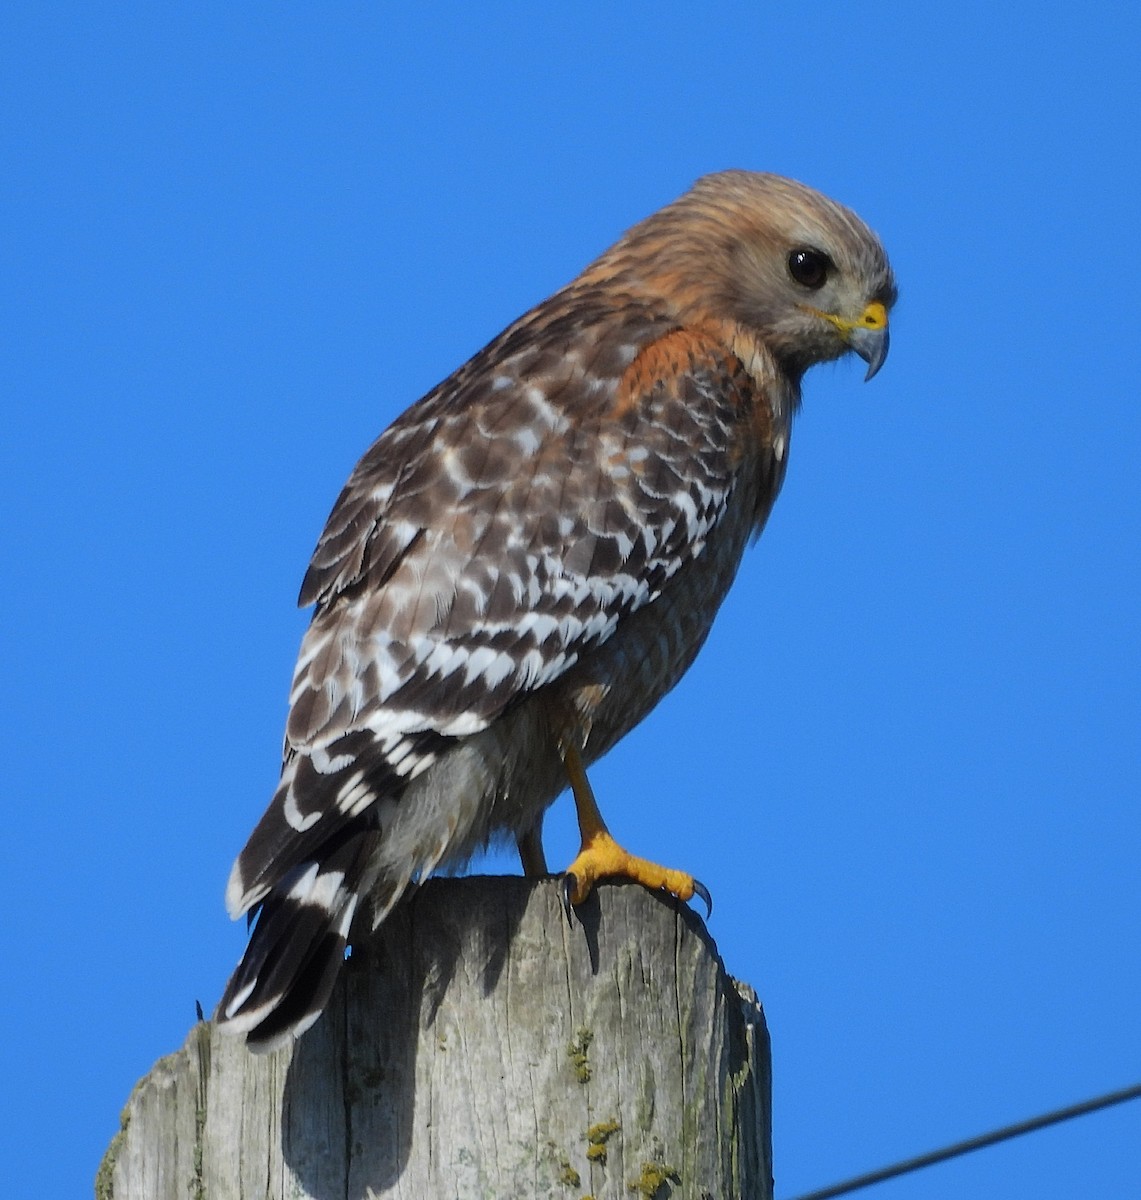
point(566, 887)
point(699, 889)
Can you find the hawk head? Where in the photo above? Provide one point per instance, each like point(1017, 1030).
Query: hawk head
point(773, 255)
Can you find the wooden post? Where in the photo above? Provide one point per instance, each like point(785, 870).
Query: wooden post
point(480, 1047)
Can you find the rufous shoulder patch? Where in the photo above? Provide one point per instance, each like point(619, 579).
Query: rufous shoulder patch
point(674, 354)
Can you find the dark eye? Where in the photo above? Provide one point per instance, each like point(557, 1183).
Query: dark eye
point(809, 267)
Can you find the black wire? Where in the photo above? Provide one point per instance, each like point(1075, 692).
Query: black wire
point(975, 1143)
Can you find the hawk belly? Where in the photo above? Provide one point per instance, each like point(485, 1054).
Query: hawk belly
point(500, 781)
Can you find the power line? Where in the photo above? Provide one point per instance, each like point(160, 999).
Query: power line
point(976, 1143)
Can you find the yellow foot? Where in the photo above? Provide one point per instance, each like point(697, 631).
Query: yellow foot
point(602, 858)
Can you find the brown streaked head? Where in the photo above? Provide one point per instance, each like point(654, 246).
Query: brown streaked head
point(780, 258)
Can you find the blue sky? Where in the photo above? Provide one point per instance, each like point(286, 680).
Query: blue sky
point(240, 239)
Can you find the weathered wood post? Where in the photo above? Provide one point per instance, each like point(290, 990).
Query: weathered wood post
point(480, 1047)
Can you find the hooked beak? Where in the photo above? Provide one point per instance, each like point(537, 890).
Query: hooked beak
point(871, 342)
point(867, 335)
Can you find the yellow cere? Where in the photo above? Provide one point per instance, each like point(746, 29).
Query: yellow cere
point(874, 316)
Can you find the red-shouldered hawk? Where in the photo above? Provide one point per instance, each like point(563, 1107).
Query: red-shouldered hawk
point(530, 557)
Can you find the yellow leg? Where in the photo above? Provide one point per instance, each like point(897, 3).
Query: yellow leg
point(600, 856)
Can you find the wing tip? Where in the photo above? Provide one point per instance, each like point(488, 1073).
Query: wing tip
point(239, 897)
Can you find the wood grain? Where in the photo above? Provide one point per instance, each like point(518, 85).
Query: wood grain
point(480, 1046)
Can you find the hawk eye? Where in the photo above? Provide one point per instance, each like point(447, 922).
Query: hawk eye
point(809, 267)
